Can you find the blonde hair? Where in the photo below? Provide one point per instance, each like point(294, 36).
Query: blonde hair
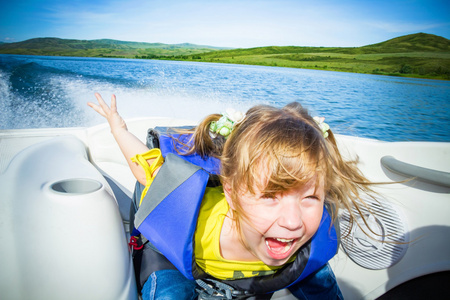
point(289, 145)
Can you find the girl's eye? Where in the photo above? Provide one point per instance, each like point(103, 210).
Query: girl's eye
point(312, 197)
point(268, 197)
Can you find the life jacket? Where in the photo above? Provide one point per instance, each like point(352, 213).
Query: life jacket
point(168, 216)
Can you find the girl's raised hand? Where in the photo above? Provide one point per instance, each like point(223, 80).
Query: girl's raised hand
point(129, 144)
point(110, 113)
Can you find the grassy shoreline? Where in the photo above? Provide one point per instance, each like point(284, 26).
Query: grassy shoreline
point(415, 65)
point(397, 66)
point(418, 55)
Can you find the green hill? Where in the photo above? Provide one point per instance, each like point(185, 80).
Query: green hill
point(420, 42)
point(100, 48)
point(416, 55)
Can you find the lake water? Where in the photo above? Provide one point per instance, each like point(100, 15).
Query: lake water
point(39, 91)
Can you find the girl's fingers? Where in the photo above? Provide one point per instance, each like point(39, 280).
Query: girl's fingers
point(99, 98)
point(102, 108)
point(97, 108)
point(102, 103)
point(113, 103)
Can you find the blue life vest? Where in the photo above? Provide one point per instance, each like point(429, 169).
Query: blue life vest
point(168, 216)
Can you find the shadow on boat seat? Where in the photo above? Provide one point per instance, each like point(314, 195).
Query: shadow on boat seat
point(123, 201)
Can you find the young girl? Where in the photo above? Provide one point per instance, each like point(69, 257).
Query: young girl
point(266, 227)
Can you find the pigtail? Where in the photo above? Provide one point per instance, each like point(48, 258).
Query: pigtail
point(206, 144)
point(201, 141)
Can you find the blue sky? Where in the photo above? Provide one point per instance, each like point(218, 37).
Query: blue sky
point(230, 23)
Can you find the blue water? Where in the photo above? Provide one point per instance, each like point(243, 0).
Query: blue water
point(39, 92)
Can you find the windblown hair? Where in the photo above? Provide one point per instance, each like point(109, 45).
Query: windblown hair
point(289, 145)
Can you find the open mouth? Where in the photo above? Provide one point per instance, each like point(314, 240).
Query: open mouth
point(279, 248)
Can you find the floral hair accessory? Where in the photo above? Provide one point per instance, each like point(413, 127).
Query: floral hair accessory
point(322, 125)
point(224, 126)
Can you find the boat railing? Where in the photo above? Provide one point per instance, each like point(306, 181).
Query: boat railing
point(412, 171)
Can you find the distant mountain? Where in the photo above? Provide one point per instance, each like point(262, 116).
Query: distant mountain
point(419, 42)
point(102, 48)
point(57, 44)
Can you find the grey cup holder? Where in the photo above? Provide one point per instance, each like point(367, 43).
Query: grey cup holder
point(76, 186)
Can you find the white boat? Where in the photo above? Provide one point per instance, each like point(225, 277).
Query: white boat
point(65, 199)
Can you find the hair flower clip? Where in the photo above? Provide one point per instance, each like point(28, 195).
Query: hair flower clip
point(322, 125)
point(224, 126)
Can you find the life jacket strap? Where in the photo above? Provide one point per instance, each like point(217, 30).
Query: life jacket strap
point(142, 160)
point(135, 243)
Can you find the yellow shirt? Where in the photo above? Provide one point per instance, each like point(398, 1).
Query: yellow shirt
point(207, 242)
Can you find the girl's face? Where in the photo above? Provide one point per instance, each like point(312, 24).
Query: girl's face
point(277, 227)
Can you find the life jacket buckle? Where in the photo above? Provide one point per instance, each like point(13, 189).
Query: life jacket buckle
point(211, 289)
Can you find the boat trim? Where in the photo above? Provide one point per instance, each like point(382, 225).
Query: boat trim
point(412, 171)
